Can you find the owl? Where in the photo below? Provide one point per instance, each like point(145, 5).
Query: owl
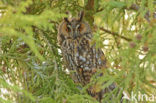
point(80, 54)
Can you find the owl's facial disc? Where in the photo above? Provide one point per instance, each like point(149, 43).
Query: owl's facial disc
point(73, 30)
point(74, 27)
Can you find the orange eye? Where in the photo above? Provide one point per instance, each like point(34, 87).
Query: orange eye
point(80, 27)
point(68, 29)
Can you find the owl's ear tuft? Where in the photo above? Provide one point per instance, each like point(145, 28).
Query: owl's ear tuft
point(81, 15)
point(66, 20)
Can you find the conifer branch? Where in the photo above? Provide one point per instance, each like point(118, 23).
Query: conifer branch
point(115, 34)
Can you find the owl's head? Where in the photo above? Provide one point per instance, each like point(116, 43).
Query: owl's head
point(74, 27)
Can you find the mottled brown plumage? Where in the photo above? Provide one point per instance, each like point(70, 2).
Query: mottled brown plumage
point(79, 54)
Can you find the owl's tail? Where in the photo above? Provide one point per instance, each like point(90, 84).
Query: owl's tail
point(101, 94)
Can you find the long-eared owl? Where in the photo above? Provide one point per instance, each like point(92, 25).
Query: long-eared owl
point(79, 53)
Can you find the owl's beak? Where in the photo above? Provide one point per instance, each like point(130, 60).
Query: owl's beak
point(75, 35)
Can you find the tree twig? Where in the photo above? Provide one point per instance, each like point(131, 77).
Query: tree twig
point(115, 34)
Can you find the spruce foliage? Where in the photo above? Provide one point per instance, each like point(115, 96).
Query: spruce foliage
point(31, 66)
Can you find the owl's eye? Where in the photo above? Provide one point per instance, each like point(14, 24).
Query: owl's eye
point(68, 28)
point(79, 27)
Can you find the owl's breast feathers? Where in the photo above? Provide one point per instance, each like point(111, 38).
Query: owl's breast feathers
point(83, 57)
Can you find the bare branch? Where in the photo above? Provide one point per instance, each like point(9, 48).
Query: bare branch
point(115, 34)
